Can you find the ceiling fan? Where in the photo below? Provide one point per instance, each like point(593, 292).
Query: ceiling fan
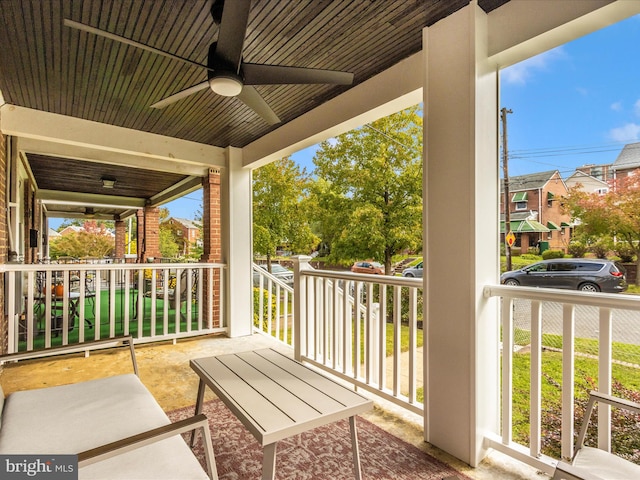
point(228, 74)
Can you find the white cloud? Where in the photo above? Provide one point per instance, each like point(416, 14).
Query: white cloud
point(625, 134)
point(616, 107)
point(523, 71)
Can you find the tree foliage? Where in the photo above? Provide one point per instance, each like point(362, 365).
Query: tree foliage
point(613, 214)
point(93, 241)
point(368, 196)
point(280, 209)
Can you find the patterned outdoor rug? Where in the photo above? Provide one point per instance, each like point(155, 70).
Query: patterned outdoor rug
point(320, 454)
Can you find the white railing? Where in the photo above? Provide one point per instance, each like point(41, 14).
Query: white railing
point(354, 326)
point(59, 304)
point(602, 328)
point(273, 306)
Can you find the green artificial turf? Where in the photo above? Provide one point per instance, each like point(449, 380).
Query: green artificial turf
point(118, 324)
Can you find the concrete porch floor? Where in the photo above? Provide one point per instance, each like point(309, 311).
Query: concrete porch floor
point(164, 369)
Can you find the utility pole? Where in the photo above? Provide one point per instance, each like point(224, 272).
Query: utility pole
point(505, 179)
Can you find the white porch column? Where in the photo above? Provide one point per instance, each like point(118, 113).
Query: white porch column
point(461, 234)
point(237, 244)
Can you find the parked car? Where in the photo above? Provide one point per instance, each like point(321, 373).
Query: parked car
point(588, 275)
point(278, 271)
point(415, 271)
point(368, 267)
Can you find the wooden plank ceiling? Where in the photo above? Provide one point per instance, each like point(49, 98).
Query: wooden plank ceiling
point(47, 66)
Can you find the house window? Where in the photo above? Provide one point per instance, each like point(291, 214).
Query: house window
point(550, 198)
point(602, 191)
point(520, 200)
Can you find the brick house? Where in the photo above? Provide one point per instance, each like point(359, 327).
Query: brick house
point(186, 232)
point(535, 211)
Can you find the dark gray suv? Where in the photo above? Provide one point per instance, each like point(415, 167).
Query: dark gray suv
point(587, 275)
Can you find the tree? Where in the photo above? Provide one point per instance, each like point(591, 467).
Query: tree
point(369, 190)
point(170, 246)
point(93, 241)
point(614, 214)
point(280, 209)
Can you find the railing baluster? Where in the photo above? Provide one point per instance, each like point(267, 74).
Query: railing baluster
point(535, 378)
point(507, 370)
point(568, 368)
point(413, 313)
point(382, 338)
point(604, 378)
point(397, 344)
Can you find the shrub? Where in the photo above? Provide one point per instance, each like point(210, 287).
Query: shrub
point(265, 308)
point(577, 249)
point(549, 254)
point(625, 252)
point(601, 248)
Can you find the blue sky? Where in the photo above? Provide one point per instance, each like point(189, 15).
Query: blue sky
point(574, 105)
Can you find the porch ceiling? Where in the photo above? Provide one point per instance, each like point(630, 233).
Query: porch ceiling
point(49, 67)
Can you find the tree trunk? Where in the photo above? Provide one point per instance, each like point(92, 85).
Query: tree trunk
point(637, 269)
point(387, 263)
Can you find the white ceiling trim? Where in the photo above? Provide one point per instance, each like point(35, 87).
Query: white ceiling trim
point(75, 132)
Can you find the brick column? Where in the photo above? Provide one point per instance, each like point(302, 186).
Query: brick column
point(140, 234)
point(4, 241)
point(151, 233)
point(121, 236)
point(212, 237)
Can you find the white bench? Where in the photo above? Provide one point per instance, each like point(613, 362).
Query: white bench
point(113, 424)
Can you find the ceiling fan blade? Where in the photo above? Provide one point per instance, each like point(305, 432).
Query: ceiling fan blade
point(127, 41)
point(180, 95)
point(257, 74)
point(233, 27)
point(252, 99)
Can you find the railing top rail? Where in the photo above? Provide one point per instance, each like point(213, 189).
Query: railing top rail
point(56, 267)
point(364, 277)
point(606, 300)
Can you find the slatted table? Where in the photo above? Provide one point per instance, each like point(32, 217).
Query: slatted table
point(276, 397)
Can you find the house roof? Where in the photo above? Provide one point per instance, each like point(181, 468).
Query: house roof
point(191, 224)
point(628, 158)
point(530, 181)
point(580, 177)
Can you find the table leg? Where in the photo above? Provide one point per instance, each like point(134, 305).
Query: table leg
point(354, 446)
point(269, 461)
point(199, 401)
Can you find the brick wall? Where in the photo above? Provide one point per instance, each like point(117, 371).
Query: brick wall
point(212, 234)
point(151, 233)
point(120, 239)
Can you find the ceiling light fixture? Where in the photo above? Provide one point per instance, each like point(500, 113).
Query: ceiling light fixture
point(226, 84)
point(108, 182)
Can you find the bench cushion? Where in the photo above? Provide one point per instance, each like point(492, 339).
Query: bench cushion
point(605, 465)
point(77, 417)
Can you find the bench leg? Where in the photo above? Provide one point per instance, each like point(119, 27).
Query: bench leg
point(269, 462)
point(354, 446)
point(199, 401)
